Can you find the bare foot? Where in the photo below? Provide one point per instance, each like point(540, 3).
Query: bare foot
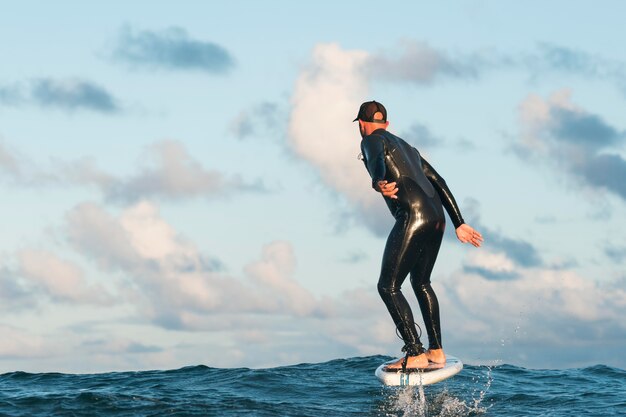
point(419, 362)
point(436, 355)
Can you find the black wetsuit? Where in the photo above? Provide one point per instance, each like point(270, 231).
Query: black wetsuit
point(415, 239)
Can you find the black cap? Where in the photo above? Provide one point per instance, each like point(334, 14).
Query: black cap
point(369, 109)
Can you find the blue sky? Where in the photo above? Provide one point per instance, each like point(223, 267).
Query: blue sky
point(180, 182)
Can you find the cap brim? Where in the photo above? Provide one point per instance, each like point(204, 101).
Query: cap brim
point(356, 119)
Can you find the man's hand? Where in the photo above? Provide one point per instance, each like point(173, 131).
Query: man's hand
point(467, 234)
point(388, 189)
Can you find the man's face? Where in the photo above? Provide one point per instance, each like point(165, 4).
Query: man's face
point(361, 128)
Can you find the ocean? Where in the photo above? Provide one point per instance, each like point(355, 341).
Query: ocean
point(342, 387)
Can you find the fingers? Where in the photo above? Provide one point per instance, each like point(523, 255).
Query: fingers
point(467, 234)
point(387, 185)
point(388, 189)
point(391, 192)
point(476, 238)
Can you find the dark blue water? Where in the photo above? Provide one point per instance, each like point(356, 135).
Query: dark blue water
point(345, 387)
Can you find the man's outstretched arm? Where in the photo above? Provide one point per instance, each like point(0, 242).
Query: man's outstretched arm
point(464, 232)
point(447, 199)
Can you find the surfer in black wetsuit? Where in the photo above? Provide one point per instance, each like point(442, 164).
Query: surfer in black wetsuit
point(416, 195)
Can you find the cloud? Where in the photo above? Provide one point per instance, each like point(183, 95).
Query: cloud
point(171, 173)
point(581, 129)
point(17, 169)
point(268, 318)
point(345, 75)
point(419, 63)
point(421, 137)
point(14, 296)
point(60, 280)
point(561, 59)
point(546, 219)
point(332, 87)
point(416, 62)
point(90, 350)
point(354, 257)
point(170, 279)
point(9, 163)
point(171, 49)
point(68, 94)
point(616, 253)
point(501, 257)
point(10, 95)
point(520, 251)
point(607, 171)
point(72, 95)
point(491, 266)
point(273, 275)
point(567, 59)
point(118, 346)
point(95, 233)
point(17, 344)
point(527, 320)
point(254, 122)
point(173, 283)
point(167, 171)
point(30, 276)
point(567, 136)
point(557, 118)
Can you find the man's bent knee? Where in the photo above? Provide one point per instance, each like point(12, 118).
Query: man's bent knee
point(387, 290)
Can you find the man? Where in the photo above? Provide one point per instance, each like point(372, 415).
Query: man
point(415, 195)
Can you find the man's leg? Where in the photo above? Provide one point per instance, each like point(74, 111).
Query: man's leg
point(430, 312)
point(397, 262)
point(429, 305)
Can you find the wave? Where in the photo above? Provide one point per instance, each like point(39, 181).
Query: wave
point(340, 387)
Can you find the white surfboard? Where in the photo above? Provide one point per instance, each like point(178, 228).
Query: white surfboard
point(434, 373)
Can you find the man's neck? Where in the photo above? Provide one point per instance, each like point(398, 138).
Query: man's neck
point(372, 129)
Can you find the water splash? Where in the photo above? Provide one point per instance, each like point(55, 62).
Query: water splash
point(488, 378)
point(413, 401)
point(407, 401)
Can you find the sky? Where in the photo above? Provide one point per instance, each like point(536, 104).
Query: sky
point(180, 182)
